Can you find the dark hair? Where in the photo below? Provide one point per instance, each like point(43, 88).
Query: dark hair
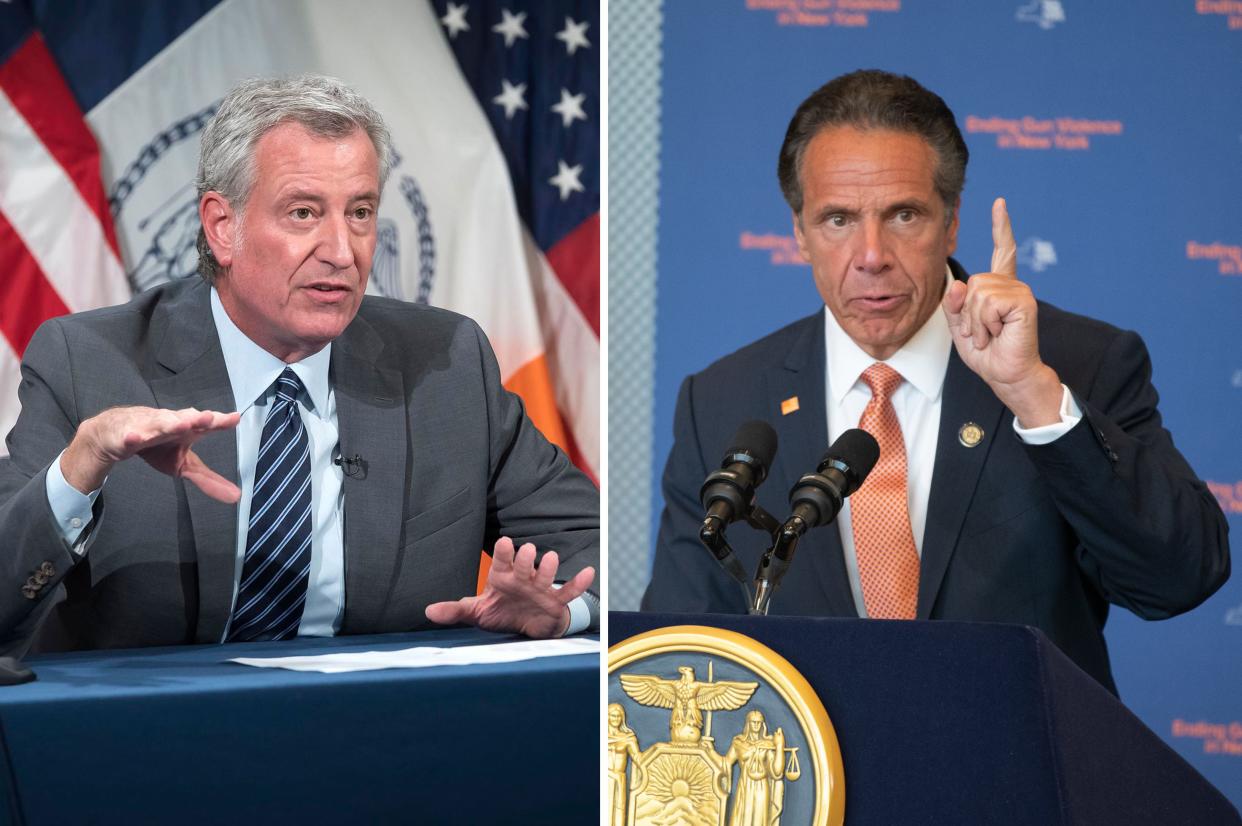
point(872, 99)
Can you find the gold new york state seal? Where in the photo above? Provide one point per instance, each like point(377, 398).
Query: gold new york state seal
point(759, 778)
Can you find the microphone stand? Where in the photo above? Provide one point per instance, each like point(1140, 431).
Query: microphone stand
point(712, 535)
point(773, 564)
point(772, 567)
point(814, 497)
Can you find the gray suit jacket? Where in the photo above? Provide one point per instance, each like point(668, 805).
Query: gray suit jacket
point(451, 464)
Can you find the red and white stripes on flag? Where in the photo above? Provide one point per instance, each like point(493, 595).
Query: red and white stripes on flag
point(58, 251)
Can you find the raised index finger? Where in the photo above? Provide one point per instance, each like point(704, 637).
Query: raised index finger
point(1004, 249)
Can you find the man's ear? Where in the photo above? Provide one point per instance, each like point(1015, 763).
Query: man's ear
point(951, 234)
point(800, 238)
point(219, 221)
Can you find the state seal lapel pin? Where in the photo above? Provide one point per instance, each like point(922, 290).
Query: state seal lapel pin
point(970, 434)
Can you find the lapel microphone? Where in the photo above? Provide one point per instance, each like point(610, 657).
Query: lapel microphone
point(355, 467)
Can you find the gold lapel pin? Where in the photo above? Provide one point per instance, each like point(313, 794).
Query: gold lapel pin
point(790, 405)
point(970, 434)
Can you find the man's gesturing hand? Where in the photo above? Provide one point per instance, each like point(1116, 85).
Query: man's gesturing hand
point(993, 321)
point(519, 596)
point(161, 437)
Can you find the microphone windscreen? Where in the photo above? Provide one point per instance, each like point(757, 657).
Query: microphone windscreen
point(856, 449)
point(756, 438)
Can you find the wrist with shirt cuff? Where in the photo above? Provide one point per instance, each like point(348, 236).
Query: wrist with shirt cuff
point(1071, 414)
point(583, 613)
point(72, 510)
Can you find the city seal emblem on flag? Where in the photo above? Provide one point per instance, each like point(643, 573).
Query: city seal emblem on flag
point(708, 727)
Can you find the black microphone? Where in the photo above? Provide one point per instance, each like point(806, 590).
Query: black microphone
point(355, 467)
point(817, 497)
point(727, 493)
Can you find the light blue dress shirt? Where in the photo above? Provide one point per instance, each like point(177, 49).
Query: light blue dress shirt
point(252, 373)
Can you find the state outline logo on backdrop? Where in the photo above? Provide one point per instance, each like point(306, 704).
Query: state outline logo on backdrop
point(664, 688)
point(1233, 616)
point(169, 230)
point(1043, 13)
point(1037, 254)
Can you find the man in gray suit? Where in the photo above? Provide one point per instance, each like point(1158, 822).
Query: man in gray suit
point(346, 458)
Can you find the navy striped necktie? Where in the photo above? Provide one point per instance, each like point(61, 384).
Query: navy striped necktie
point(276, 568)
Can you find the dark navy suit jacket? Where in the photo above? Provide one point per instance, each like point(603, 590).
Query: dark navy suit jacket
point(1046, 536)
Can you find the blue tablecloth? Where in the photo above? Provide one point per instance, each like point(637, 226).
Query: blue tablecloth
point(179, 735)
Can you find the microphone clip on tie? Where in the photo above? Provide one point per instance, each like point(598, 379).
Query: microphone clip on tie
point(355, 467)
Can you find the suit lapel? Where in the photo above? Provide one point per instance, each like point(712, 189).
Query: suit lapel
point(187, 345)
point(966, 399)
point(371, 414)
point(803, 437)
point(956, 471)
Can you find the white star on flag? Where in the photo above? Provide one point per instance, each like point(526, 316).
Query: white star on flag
point(566, 179)
point(511, 97)
point(455, 19)
point(574, 35)
point(570, 108)
point(511, 26)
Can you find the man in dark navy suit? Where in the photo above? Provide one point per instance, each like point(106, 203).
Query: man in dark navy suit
point(1024, 474)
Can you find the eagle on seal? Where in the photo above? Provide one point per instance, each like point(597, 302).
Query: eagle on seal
point(688, 698)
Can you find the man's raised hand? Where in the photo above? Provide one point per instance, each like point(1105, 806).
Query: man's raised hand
point(519, 596)
point(992, 318)
point(162, 438)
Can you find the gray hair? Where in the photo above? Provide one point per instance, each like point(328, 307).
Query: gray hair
point(872, 99)
point(323, 105)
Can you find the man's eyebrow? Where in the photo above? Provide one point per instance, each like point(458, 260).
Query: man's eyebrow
point(302, 195)
point(318, 198)
point(917, 204)
point(823, 212)
point(907, 203)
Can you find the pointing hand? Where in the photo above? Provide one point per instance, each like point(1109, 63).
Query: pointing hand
point(993, 320)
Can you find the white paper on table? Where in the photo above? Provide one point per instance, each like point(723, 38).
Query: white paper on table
point(426, 656)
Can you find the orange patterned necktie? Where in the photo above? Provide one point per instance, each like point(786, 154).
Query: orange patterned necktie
point(888, 563)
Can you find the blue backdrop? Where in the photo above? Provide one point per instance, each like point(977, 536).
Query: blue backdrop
point(1114, 130)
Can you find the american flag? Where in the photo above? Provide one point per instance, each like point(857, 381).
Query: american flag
point(534, 67)
point(58, 249)
point(130, 84)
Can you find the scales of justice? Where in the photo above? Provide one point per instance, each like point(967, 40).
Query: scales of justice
point(684, 781)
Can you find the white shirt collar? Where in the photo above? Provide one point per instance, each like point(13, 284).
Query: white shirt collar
point(253, 370)
point(922, 361)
